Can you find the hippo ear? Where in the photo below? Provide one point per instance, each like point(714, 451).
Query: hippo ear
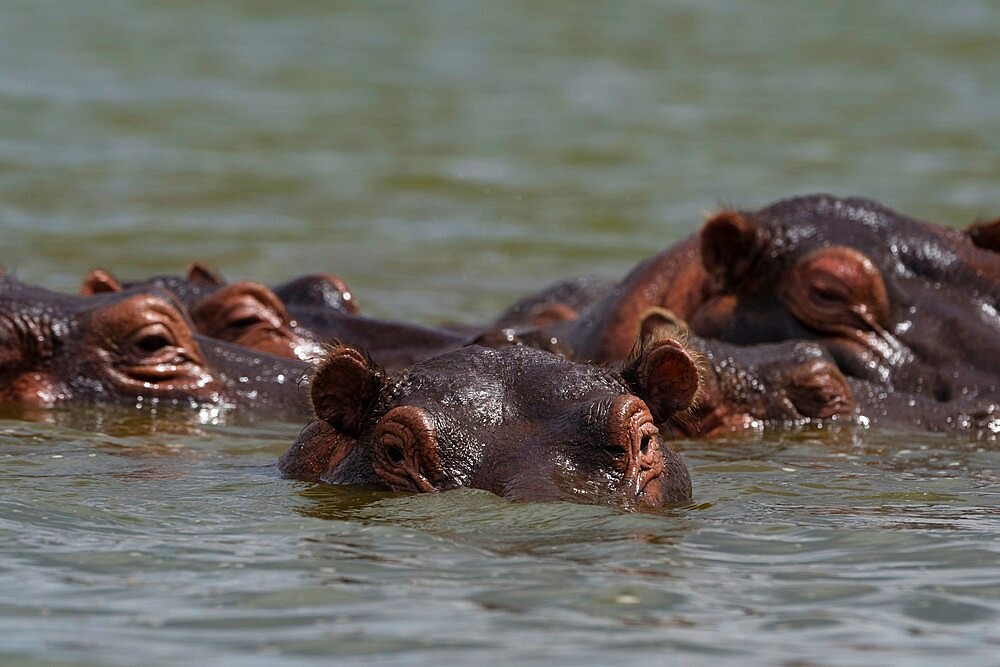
point(656, 322)
point(200, 274)
point(729, 245)
point(317, 450)
point(664, 374)
point(318, 290)
point(99, 281)
point(986, 235)
point(345, 387)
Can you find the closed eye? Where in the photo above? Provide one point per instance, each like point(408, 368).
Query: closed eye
point(394, 453)
point(245, 322)
point(153, 343)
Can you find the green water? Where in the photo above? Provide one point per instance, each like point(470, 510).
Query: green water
point(444, 158)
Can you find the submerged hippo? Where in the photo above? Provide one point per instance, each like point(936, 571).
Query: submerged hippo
point(559, 302)
point(245, 313)
point(794, 383)
point(122, 347)
point(294, 320)
point(901, 306)
point(522, 423)
point(314, 290)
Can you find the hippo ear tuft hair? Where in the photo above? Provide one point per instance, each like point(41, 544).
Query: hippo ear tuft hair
point(200, 274)
point(345, 387)
point(663, 373)
point(656, 322)
point(99, 281)
point(729, 245)
point(986, 235)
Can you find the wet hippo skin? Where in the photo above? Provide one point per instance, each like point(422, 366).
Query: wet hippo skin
point(118, 347)
point(245, 313)
point(842, 271)
point(314, 290)
point(295, 320)
point(896, 301)
point(558, 302)
point(519, 422)
point(906, 310)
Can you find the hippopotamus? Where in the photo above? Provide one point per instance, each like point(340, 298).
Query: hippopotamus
point(522, 423)
point(907, 311)
point(314, 290)
point(245, 313)
point(986, 235)
point(295, 319)
point(559, 302)
point(132, 346)
point(798, 383)
point(898, 301)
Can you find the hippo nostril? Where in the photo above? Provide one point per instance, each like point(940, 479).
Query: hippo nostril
point(645, 444)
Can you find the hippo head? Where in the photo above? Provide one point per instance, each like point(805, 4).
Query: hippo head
point(245, 313)
point(519, 422)
point(318, 290)
point(57, 347)
point(896, 301)
point(197, 283)
point(560, 302)
point(123, 346)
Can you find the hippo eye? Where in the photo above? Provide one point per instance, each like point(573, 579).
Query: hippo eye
point(247, 312)
point(394, 453)
point(153, 340)
point(152, 343)
point(837, 290)
point(246, 322)
point(824, 293)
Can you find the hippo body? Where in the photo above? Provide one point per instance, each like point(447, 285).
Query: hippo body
point(130, 346)
point(560, 301)
point(795, 383)
point(519, 422)
point(898, 302)
point(905, 310)
point(393, 344)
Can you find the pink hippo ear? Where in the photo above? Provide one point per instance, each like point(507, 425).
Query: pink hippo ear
point(729, 245)
point(99, 281)
point(986, 235)
point(664, 374)
point(200, 274)
point(345, 387)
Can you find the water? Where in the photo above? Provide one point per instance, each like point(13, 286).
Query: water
point(444, 158)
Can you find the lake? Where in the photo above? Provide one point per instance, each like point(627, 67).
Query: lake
point(445, 158)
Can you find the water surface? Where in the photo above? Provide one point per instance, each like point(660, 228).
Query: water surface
point(445, 157)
